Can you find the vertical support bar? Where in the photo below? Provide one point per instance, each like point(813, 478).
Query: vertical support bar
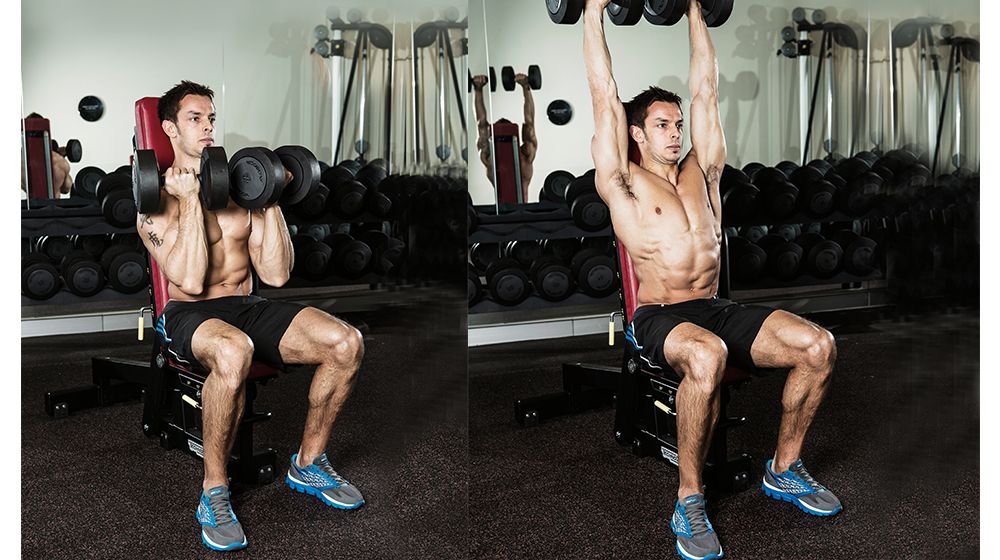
point(336, 79)
point(442, 94)
point(804, 122)
point(347, 101)
point(815, 96)
point(828, 79)
point(361, 145)
point(390, 80)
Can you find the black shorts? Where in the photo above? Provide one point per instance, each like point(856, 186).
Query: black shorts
point(736, 324)
point(264, 321)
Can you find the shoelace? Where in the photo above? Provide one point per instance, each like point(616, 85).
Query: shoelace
point(697, 518)
point(324, 465)
point(220, 507)
point(802, 473)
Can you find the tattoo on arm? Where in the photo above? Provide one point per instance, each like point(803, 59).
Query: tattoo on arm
point(154, 239)
point(146, 219)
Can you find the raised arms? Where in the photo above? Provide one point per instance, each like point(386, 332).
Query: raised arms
point(610, 144)
point(707, 137)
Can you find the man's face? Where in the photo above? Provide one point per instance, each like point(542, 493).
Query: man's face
point(195, 126)
point(663, 132)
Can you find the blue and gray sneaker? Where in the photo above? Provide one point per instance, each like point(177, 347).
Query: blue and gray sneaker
point(320, 480)
point(797, 486)
point(696, 539)
point(220, 530)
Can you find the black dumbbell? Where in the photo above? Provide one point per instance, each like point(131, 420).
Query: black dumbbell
point(347, 193)
point(125, 269)
point(146, 182)
point(524, 252)
point(822, 257)
point(590, 213)
point(484, 254)
point(552, 280)
point(259, 177)
point(304, 169)
point(475, 286)
point(534, 77)
point(93, 244)
point(859, 252)
point(746, 260)
point(753, 233)
point(562, 249)
point(73, 151)
point(779, 195)
point(387, 251)
point(491, 80)
point(82, 274)
point(351, 258)
point(816, 194)
point(85, 183)
point(114, 191)
point(739, 196)
point(39, 279)
point(594, 272)
point(506, 282)
point(554, 189)
point(55, 247)
point(371, 176)
point(784, 258)
point(312, 257)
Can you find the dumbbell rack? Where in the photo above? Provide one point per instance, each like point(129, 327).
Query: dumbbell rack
point(71, 216)
point(536, 222)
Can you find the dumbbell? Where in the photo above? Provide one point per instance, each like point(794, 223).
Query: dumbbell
point(779, 196)
point(628, 12)
point(475, 286)
point(371, 176)
point(554, 188)
point(39, 279)
point(55, 247)
point(506, 282)
point(590, 213)
point(115, 196)
point(739, 196)
point(82, 274)
point(822, 257)
point(85, 182)
point(351, 258)
point(484, 254)
point(346, 194)
point(507, 76)
point(312, 257)
point(146, 180)
point(562, 249)
point(72, 151)
point(524, 252)
point(816, 194)
point(125, 269)
point(492, 80)
point(552, 280)
point(746, 260)
point(784, 258)
point(93, 244)
point(594, 272)
point(386, 251)
point(859, 252)
point(753, 233)
point(258, 179)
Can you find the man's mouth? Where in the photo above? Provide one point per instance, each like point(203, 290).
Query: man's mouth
point(207, 141)
point(674, 146)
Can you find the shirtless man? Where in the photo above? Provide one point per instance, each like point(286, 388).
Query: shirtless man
point(668, 212)
point(529, 142)
point(212, 321)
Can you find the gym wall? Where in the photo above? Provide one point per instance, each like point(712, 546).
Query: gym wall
point(256, 56)
point(758, 89)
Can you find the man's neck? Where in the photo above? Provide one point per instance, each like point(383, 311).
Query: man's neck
point(668, 171)
point(182, 159)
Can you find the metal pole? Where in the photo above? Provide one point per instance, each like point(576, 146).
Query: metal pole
point(804, 122)
point(361, 146)
point(442, 96)
point(828, 79)
point(347, 100)
point(815, 95)
point(390, 77)
point(336, 79)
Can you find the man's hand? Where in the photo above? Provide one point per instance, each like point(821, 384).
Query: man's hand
point(181, 182)
point(479, 81)
point(598, 5)
point(521, 79)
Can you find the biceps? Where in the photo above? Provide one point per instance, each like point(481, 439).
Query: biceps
point(610, 144)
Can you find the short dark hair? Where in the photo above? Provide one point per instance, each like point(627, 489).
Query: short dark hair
point(170, 102)
point(638, 109)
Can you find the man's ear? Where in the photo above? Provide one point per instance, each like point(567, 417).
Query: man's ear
point(637, 134)
point(170, 128)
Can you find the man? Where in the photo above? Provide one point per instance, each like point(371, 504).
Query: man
point(529, 142)
point(62, 181)
point(213, 322)
point(667, 211)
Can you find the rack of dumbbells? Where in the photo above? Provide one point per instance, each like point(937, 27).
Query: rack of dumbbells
point(537, 255)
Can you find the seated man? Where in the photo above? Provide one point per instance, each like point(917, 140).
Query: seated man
point(213, 322)
point(529, 142)
point(62, 181)
point(667, 211)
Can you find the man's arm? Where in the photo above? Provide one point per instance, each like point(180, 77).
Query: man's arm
point(271, 246)
point(529, 141)
point(181, 250)
point(482, 124)
point(707, 137)
point(609, 147)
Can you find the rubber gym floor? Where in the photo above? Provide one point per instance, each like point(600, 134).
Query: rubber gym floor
point(94, 487)
point(897, 440)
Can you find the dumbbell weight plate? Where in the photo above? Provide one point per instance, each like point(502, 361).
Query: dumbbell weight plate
point(524, 252)
point(534, 76)
point(146, 181)
point(823, 258)
point(507, 78)
point(85, 184)
point(74, 150)
point(117, 203)
point(594, 273)
point(859, 252)
point(214, 178)
point(716, 12)
point(254, 177)
point(553, 281)
point(784, 259)
point(82, 274)
point(39, 279)
point(664, 12)
point(566, 12)
point(312, 258)
point(314, 205)
point(625, 12)
point(555, 185)
point(125, 269)
point(506, 282)
point(746, 259)
point(305, 170)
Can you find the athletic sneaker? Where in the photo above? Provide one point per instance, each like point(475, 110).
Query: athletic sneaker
point(220, 530)
point(797, 486)
point(320, 480)
point(696, 539)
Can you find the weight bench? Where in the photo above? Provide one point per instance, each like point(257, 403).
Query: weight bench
point(644, 398)
point(171, 391)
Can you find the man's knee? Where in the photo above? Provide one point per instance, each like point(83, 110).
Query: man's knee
point(820, 349)
point(345, 346)
point(705, 362)
point(231, 359)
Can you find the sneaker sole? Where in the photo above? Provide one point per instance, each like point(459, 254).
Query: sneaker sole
point(213, 546)
point(306, 489)
point(786, 497)
point(689, 557)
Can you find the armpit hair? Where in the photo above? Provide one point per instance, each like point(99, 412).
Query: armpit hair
point(620, 179)
point(713, 174)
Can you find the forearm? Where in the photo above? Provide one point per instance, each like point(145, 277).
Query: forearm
point(597, 58)
point(529, 106)
point(187, 263)
point(704, 68)
point(276, 256)
point(480, 105)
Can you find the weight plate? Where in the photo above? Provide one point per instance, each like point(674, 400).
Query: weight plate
point(664, 12)
point(305, 170)
point(627, 12)
point(252, 182)
point(85, 184)
point(145, 181)
point(565, 12)
point(534, 76)
point(214, 178)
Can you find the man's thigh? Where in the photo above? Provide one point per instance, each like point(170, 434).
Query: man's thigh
point(311, 335)
point(783, 339)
